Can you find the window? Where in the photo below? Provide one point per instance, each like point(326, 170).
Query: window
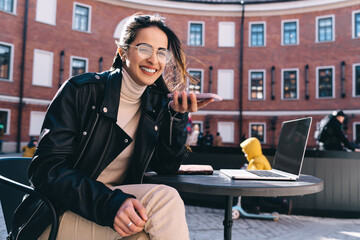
point(325, 82)
point(42, 68)
point(5, 120)
point(290, 32)
point(46, 11)
point(356, 24)
point(7, 6)
point(196, 34)
point(226, 34)
point(196, 87)
point(6, 61)
point(81, 17)
point(36, 120)
point(225, 84)
point(257, 85)
point(226, 130)
point(258, 130)
point(356, 80)
point(257, 35)
point(325, 29)
point(290, 88)
point(78, 66)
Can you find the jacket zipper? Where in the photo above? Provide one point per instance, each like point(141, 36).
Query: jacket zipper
point(172, 118)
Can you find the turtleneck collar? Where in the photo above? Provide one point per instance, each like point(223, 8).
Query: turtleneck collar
point(130, 90)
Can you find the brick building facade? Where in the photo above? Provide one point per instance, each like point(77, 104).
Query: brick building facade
point(300, 58)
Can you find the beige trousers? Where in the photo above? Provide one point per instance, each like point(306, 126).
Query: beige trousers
point(164, 208)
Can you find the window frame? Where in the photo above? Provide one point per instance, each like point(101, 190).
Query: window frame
point(258, 123)
point(14, 8)
point(201, 79)
point(53, 21)
point(317, 82)
point(232, 125)
point(354, 130)
point(297, 83)
point(233, 33)
point(264, 84)
point(51, 71)
point(353, 25)
point(31, 122)
point(89, 17)
point(318, 18)
point(283, 22)
point(11, 66)
point(264, 33)
point(354, 79)
point(202, 33)
point(8, 120)
point(78, 58)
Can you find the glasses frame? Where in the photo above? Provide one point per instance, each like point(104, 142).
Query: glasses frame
point(141, 55)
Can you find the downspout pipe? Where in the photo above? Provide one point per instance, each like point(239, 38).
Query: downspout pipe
point(61, 75)
point(241, 70)
point(22, 73)
point(210, 78)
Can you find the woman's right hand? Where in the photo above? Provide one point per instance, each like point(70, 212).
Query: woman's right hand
point(130, 218)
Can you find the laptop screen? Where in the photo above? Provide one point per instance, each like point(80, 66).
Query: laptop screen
point(292, 144)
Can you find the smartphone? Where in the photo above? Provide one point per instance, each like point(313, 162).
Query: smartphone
point(199, 96)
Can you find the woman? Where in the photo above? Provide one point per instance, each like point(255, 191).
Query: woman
point(102, 132)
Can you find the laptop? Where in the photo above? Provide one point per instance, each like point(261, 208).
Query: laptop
point(289, 154)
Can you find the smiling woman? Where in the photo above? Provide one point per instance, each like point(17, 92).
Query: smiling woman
point(102, 132)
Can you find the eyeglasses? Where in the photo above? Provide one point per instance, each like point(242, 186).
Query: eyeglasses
point(145, 51)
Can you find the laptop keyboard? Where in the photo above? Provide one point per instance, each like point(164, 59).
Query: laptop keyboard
point(263, 173)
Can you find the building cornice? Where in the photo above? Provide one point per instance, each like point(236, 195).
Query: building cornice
point(269, 9)
point(34, 101)
point(272, 113)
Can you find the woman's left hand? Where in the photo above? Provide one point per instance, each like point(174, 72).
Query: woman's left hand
point(181, 104)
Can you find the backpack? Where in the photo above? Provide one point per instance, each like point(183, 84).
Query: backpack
point(321, 127)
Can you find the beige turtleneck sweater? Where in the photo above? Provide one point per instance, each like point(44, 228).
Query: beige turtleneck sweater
point(128, 119)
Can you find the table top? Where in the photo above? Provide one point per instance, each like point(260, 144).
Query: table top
point(220, 184)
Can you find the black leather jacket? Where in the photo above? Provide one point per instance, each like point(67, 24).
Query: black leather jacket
point(80, 138)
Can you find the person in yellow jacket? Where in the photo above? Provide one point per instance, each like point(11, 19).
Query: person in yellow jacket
point(253, 153)
point(29, 149)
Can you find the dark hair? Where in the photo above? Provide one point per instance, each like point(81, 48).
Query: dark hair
point(337, 113)
point(136, 22)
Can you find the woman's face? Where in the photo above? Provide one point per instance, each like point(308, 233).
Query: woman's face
point(145, 71)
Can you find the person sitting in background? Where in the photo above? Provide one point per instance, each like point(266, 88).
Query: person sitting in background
point(218, 140)
point(29, 149)
point(331, 135)
point(253, 153)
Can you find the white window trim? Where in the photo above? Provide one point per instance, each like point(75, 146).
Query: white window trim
point(14, 8)
point(11, 79)
point(297, 32)
point(80, 58)
point(203, 33)
point(252, 23)
point(232, 140)
point(353, 24)
point(51, 71)
point(258, 123)
point(233, 24)
point(233, 82)
point(202, 77)
point(73, 17)
point(354, 128)
point(31, 123)
point(54, 13)
point(317, 28)
point(249, 84)
point(201, 125)
point(317, 81)
point(297, 83)
point(8, 120)
point(353, 79)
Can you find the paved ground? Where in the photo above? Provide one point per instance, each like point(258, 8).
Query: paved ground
point(206, 224)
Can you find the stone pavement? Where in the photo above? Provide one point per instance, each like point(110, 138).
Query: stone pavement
point(206, 224)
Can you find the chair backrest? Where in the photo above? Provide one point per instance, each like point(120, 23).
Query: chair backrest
point(16, 169)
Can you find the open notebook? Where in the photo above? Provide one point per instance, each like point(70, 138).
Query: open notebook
point(289, 154)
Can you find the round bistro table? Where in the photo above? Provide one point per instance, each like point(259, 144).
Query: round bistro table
point(221, 185)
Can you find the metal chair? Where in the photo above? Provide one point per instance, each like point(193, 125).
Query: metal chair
point(14, 185)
